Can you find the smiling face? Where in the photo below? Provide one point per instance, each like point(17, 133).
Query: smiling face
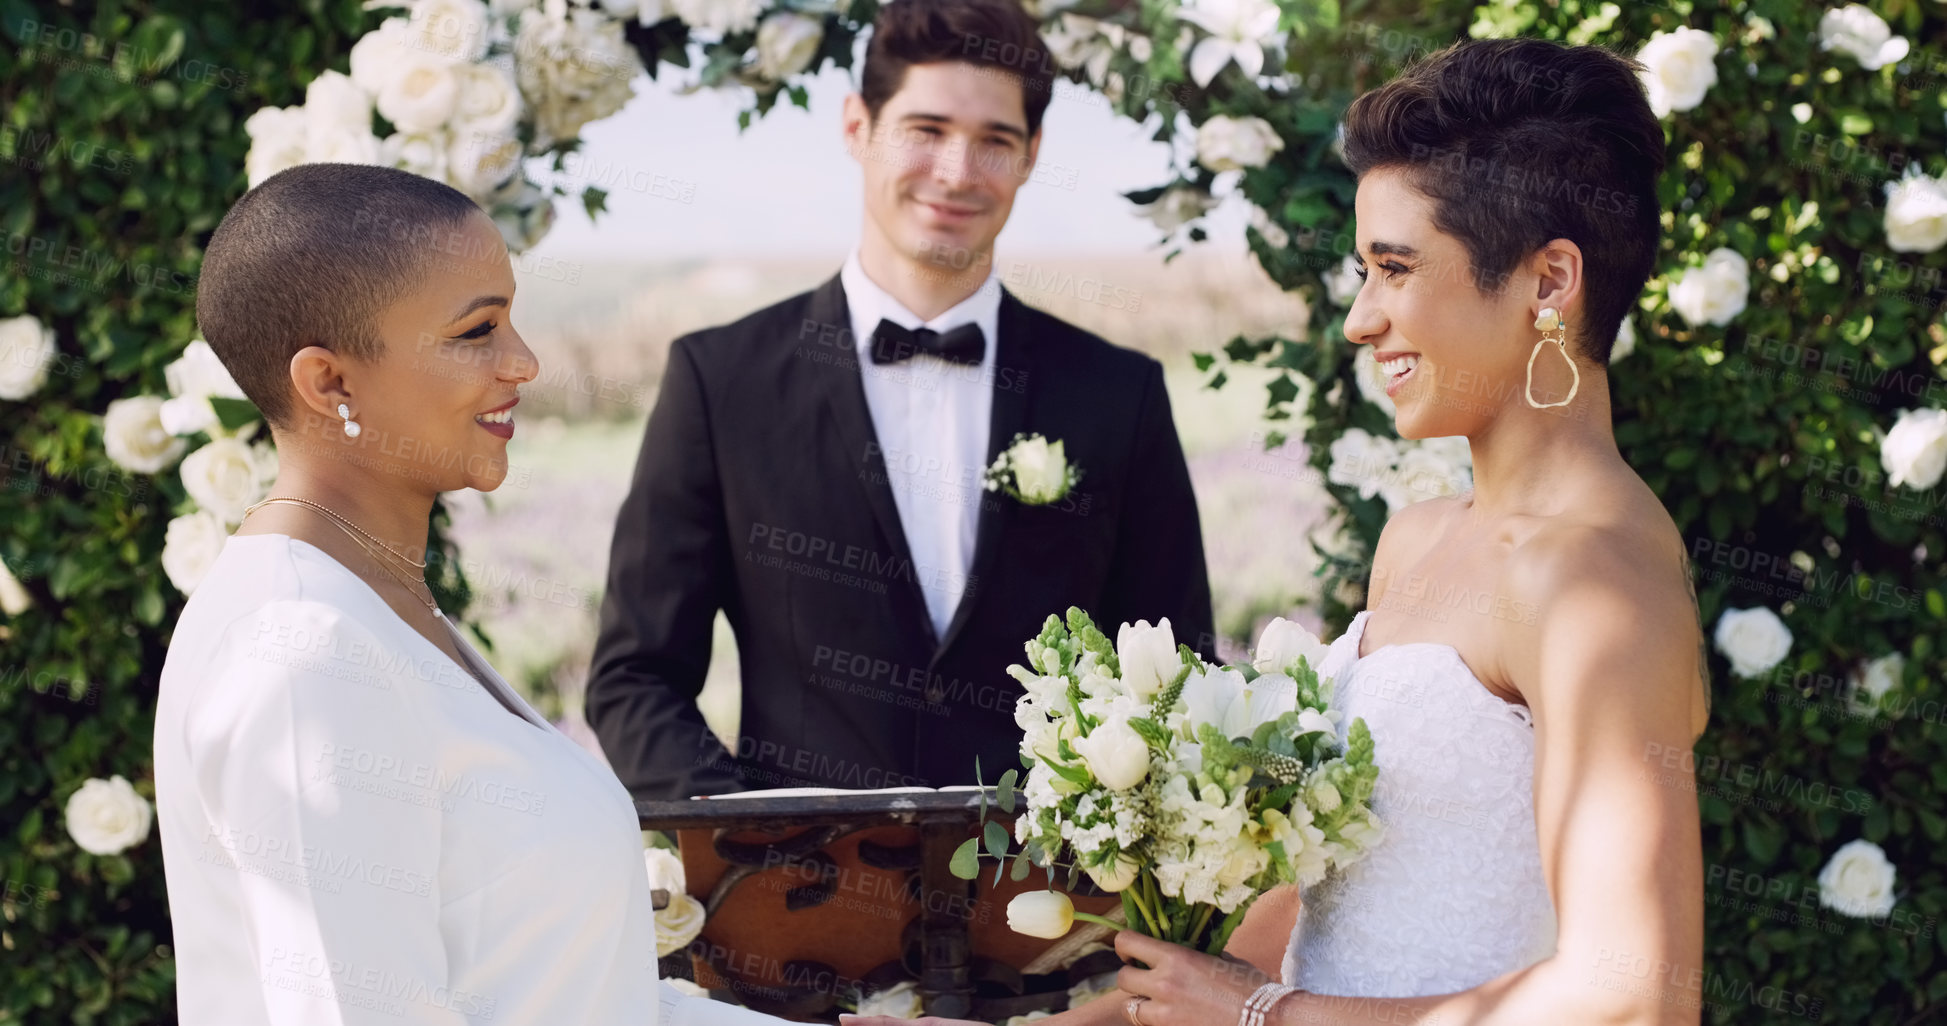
point(438, 402)
point(942, 161)
point(1456, 358)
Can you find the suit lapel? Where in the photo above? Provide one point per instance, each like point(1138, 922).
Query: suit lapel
point(845, 402)
point(1010, 381)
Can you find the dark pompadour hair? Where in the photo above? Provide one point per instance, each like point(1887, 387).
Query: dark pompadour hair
point(313, 256)
point(1519, 141)
point(996, 34)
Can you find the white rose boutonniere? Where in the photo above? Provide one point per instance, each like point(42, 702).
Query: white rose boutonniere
point(1033, 470)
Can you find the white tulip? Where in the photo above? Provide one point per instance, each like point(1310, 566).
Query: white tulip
point(1914, 452)
point(786, 42)
point(422, 96)
point(1856, 31)
point(1115, 753)
point(1714, 293)
point(190, 545)
point(678, 923)
point(226, 476)
point(1117, 876)
point(1222, 698)
point(1147, 656)
point(665, 869)
point(899, 1001)
point(1240, 30)
point(26, 352)
point(1040, 469)
point(1858, 881)
point(107, 817)
point(1679, 68)
point(1754, 640)
point(1916, 213)
point(1046, 914)
point(133, 434)
point(14, 599)
point(1282, 643)
point(1225, 143)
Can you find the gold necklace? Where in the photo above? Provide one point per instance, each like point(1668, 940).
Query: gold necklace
point(341, 518)
point(348, 527)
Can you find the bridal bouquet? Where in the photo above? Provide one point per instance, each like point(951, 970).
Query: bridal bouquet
point(1189, 789)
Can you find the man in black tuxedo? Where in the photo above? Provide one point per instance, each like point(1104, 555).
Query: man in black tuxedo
point(815, 469)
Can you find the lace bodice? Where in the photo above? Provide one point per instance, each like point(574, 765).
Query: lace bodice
point(1453, 895)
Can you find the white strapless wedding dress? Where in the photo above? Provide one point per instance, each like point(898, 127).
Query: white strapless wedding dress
point(1453, 895)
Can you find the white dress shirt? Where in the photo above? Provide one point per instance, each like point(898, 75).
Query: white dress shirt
point(931, 418)
point(355, 831)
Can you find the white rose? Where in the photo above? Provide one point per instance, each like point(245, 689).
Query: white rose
point(1625, 343)
point(1856, 31)
point(526, 219)
point(665, 869)
point(477, 164)
point(504, 9)
point(1177, 207)
point(107, 817)
point(1423, 473)
point(1274, 234)
point(1283, 643)
point(226, 476)
point(422, 154)
point(342, 146)
point(14, 599)
point(278, 141)
point(490, 100)
point(193, 379)
point(1679, 68)
point(1040, 469)
point(26, 351)
point(1147, 656)
point(574, 66)
point(1046, 914)
point(1372, 379)
point(378, 55)
point(1715, 292)
point(1858, 881)
point(1877, 678)
point(719, 17)
point(1754, 640)
point(1363, 460)
point(133, 434)
point(899, 1001)
point(422, 96)
point(1117, 875)
point(189, 546)
point(678, 924)
point(786, 42)
point(333, 100)
point(1916, 213)
point(1914, 452)
point(1115, 753)
point(1342, 283)
point(455, 30)
point(1225, 143)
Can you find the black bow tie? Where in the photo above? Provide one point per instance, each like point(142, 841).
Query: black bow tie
point(892, 343)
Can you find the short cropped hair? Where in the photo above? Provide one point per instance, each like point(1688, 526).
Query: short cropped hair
point(996, 34)
point(312, 257)
point(1519, 141)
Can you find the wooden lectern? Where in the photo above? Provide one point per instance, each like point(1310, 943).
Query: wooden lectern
point(814, 898)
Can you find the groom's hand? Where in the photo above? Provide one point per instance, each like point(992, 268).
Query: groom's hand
point(1183, 987)
point(887, 1020)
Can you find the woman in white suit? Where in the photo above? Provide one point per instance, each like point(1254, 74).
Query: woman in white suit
point(361, 822)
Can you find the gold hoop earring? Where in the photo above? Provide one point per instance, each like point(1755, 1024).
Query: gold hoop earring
point(1549, 320)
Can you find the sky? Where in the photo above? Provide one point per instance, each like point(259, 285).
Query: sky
point(684, 183)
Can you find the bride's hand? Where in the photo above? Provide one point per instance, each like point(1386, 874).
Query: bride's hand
point(887, 1020)
point(1182, 987)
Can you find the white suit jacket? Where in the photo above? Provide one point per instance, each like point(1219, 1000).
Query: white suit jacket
point(355, 831)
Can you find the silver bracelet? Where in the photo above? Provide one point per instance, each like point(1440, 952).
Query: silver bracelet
point(1261, 1001)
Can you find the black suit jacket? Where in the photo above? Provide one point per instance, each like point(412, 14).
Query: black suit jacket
point(761, 491)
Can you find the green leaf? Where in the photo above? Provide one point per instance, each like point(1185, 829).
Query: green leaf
point(965, 863)
point(996, 836)
point(1005, 792)
point(234, 413)
point(1021, 867)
